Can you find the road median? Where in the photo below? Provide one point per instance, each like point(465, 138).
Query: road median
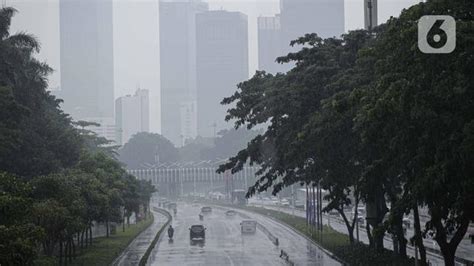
point(144, 259)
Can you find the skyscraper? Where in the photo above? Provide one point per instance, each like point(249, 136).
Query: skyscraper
point(177, 63)
point(297, 18)
point(324, 17)
point(87, 69)
point(370, 14)
point(132, 115)
point(269, 44)
point(222, 62)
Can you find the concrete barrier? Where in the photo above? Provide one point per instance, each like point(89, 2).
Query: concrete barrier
point(144, 259)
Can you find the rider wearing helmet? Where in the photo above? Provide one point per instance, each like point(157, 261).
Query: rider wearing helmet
point(170, 231)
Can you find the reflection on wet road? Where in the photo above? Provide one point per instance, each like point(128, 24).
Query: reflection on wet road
point(225, 245)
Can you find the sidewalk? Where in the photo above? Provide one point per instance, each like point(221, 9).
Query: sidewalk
point(137, 248)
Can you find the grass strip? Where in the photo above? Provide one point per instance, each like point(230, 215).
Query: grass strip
point(104, 250)
point(334, 241)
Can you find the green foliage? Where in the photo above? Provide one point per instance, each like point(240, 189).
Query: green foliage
point(370, 117)
point(31, 122)
point(146, 149)
point(56, 177)
point(107, 249)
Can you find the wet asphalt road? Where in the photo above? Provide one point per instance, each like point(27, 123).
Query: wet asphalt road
point(225, 245)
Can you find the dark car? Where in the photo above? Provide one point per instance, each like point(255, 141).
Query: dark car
point(197, 232)
point(206, 209)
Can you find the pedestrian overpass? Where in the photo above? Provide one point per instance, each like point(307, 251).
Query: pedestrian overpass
point(178, 179)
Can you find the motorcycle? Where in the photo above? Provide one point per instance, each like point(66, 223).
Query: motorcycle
point(170, 232)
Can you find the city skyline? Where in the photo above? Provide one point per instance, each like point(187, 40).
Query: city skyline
point(221, 63)
point(41, 18)
point(87, 59)
point(178, 61)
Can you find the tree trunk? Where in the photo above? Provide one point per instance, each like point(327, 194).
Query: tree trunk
point(60, 252)
point(66, 251)
point(350, 229)
point(448, 248)
point(73, 250)
point(107, 228)
point(418, 237)
point(369, 235)
point(90, 235)
point(400, 236)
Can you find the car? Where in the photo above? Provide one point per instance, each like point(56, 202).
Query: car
point(248, 226)
point(197, 232)
point(172, 205)
point(206, 209)
point(333, 212)
point(230, 213)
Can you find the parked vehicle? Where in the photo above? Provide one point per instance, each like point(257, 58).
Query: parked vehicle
point(197, 232)
point(248, 227)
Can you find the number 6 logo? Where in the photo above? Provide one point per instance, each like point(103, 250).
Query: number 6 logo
point(436, 34)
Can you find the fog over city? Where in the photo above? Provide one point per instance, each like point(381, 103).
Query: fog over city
point(236, 132)
point(136, 37)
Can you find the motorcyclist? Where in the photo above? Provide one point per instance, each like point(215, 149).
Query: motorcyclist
point(170, 232)
point(201, 217)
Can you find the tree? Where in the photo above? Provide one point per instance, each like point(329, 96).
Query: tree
point(415, 110)
point(145, 149)
point(19, 237)
point(43, 129)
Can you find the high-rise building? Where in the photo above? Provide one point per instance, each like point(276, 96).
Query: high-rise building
point(370, 14)
point(87, 68)
point(324, 17)
point(132, 115)
point(177, 62)
point(222, 62)
point(188, 112)
point(269, 44)
point(105, 128)
point(297, 18)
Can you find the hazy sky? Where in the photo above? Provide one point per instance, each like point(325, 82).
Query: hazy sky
point(136, 41)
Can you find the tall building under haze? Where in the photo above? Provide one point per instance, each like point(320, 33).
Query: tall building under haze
point(132, 113)
point(296, 18)
point(87, 68)
point(178, 67)
point(269, 44)
point(222, 62)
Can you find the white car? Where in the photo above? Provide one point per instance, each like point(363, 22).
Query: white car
point(248, 227)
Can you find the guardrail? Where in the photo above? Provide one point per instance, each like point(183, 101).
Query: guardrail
point(144, 259)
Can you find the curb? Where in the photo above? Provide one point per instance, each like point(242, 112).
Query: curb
point(144, 259)
point(329, 253)
point(122, 253)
